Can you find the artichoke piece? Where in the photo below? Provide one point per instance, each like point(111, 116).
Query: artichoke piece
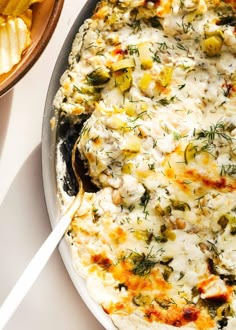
point(189, 153)
point(99, 76)
point(123, 64)
point(127, 168)
point(87, 89)
point(223, 221)
point(180, 206)
point(93, 92)
point(212, 44)
point(167, 269)
point(226, 219)
point(227, 20)
point(155, 22)
point(146, 56)
point(142, 300)
point(130, 109)
point(167, 233)
point(163, 212)
point(165, 76)
point(145, 82)
point(140, 235)
point(232, 222)
point(132, 145)
point(124, 80)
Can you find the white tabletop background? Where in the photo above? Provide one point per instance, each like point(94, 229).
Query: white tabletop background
point(52, 303)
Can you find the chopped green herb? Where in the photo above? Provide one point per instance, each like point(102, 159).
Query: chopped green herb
point(181, 86)
point(217, 130)
point(133, 50)
point(142, 263)
point(228, 170)
point(145, 200)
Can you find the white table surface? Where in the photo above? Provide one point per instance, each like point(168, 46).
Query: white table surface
point(53, 302)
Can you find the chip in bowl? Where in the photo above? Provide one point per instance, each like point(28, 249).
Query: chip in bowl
point(14, 39)
point(15, 26)
point(15, 7)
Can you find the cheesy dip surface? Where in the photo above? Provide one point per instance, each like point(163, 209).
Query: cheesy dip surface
point(149, 101)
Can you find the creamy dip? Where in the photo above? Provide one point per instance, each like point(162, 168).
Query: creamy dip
point(154, 84)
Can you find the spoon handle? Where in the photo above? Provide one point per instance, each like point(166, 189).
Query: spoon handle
point(36, 265)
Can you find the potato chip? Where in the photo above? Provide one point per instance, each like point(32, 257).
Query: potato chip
point(14, 39)
point(2, 20)
point(27, 17)
point(15, 7)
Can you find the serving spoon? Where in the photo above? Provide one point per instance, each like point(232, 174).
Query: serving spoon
point(40, 259)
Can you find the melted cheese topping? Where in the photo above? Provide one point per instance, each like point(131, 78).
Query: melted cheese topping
point(157, 82)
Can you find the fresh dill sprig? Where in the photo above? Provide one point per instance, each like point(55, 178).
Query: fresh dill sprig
point(186, 27)
point(165, 303)
point(135, 25)
point(142, 263)
point(217, 130)
point(162, 46)
point(145, 200)
point(182, 47)
point(213, 248)
point(228, 170)
point(139, 116)
point(133, 50)
point(77, 89)
point(166, 101)
point(177, 136)
point(156, 57)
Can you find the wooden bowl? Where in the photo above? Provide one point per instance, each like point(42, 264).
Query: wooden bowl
point(45, 18)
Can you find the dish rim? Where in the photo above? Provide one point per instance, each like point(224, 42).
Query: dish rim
point(48, 165)
point(37, 51)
